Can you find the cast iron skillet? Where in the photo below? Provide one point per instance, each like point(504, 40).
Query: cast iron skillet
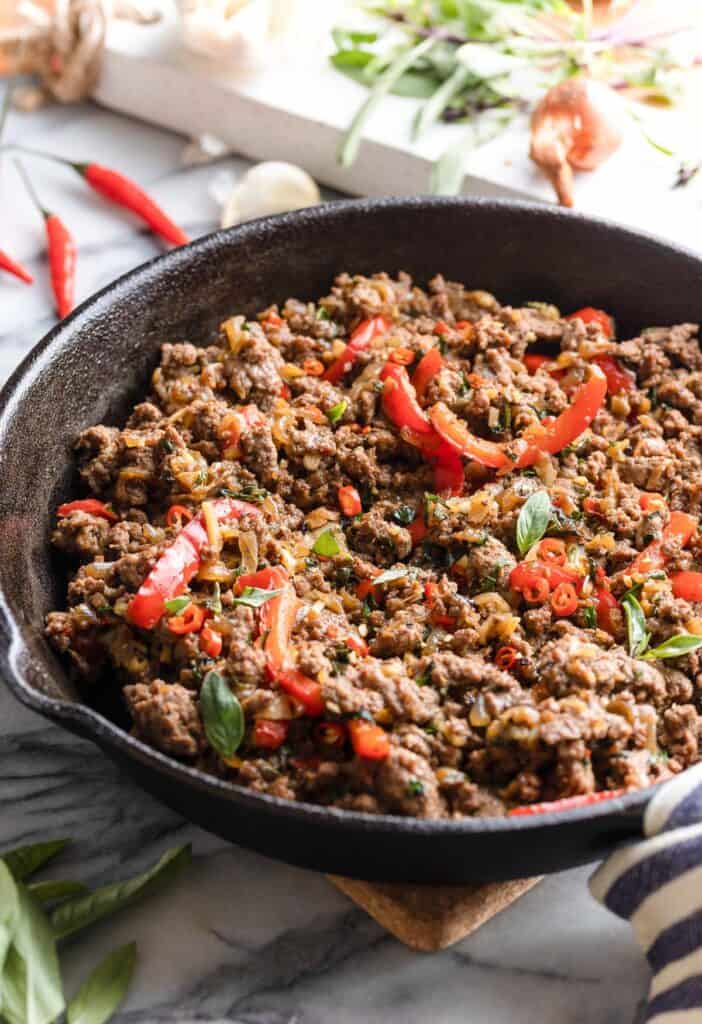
point(93, 367)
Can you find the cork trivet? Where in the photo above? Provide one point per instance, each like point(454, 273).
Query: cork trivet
point(432, 917)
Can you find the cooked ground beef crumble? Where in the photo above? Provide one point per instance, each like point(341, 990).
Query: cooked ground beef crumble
point(434, 567)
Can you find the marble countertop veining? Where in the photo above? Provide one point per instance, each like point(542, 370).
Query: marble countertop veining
point(240, 938)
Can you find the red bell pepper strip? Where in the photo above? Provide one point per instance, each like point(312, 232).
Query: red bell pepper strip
point(361, 338)
point(590, 315)
point(369, 740)
point(90, 505)
point(681, 527)
point(687, 585)
point(456, 434)
point(418, 529)
point(429, 365)
point(15, 268)
point(400, 403)
point(269, 734)
point(302, 689)
point(179, 563)
point(270, 578)
point(534, 361)
point(618, 378)
point(210, 642)
point(571, 423)
point(606, 604)
point(449, 478)
point(357, 644)
point(567, 803)
point(349, 501)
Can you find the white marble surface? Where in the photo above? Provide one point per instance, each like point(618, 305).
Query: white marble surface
point(239, 938)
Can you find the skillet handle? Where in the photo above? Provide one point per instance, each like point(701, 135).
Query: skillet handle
point(656, 884)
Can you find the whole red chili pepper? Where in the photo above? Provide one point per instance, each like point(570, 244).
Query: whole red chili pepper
point(62, 253)
point(13, 267)
point(122, 191)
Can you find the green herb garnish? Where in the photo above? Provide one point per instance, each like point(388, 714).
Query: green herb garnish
point(675, 647)
point(254, 597)
point(177, 604)
point(389, 576)
point(590, 616)
point(222, 715)
point(404, 515)
point(638, 635)
point(337, 411)
point(415, 787)
point(534, 518)
point(326, 545)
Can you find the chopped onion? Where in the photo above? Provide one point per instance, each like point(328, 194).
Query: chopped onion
point(279, 709)
point(248, 546)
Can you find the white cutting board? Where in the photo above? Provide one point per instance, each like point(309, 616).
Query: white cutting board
point(299, 112)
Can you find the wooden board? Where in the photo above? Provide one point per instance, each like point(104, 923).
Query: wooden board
point(429, 918)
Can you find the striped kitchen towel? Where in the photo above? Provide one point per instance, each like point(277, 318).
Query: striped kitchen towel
point(656, 884)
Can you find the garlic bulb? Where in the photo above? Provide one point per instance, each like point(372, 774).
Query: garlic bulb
point(235, 31)
point(271, 187)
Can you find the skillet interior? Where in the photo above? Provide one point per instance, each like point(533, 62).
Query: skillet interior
point(94, 367)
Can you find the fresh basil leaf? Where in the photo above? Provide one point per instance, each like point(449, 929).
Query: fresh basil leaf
point(404, 515)
point(51, 891)
point(31, 984)
point(351, 58)
point(675, 646)
point(390, 575)
point(337, 411)
point(9, 913)
point(254, 597)
point(177, 604)
point(81, 912)
point(637, 633)
point(590, 616)
point(222, 715)
point(326, 545)
point(23, 861)
point(104, 989)
point(534, 517)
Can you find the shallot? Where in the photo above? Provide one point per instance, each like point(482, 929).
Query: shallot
point(578, 124)
point(271, 187)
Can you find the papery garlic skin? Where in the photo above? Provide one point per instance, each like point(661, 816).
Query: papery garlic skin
point(271, 187)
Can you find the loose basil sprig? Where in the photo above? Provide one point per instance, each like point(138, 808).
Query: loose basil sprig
point(31, 990)
point(534, 518)
point(222, 715)
point(637, 633)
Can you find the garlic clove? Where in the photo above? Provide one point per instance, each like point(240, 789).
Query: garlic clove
point(270, 187)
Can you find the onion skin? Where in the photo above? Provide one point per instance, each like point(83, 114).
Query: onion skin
point(577, 125)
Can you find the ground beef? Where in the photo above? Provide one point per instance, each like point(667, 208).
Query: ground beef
point(372, 607)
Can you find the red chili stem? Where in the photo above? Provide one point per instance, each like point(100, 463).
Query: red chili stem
point(62, 252)
point(121, 191)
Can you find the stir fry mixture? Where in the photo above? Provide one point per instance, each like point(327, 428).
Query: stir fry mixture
point(401, 550)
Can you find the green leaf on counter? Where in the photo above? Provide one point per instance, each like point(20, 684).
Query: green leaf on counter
point(23, 861)
point(104, 989)
point(53, 890)
point(81, 912)
point(31, 981)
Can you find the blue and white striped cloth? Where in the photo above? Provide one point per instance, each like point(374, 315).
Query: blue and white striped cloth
point(656, 884)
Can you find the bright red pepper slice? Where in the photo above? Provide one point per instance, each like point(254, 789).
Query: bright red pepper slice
point(618, 378)
point(606, 604)
point(524, 574)
point(303, 689)
point(210, 642)
point(331, 734)
point(571, 423)
point(369, 740)
point(179, 563)
point(455, 433)
point(590, 315)
point(357, 644)
point(687, 585)
point(349, 501)
point(564, 600)
point(400, 403)
point(449, 478)
point(190, 621)
point(418, 529)
point(534, 360)
point(429, 365)
point(567, 803)
point(361, 338)
point(270, 578)
point(680, 526)
point(89, 505)
point(269, 734)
